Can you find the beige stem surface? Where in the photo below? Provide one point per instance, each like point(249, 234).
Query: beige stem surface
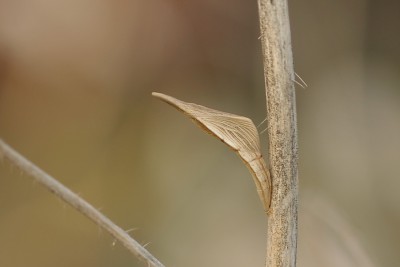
point(282, 132)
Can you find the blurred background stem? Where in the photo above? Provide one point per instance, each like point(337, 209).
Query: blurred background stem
point(77, 203)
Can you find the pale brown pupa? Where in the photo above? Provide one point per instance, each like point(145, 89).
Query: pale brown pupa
point(238, 132)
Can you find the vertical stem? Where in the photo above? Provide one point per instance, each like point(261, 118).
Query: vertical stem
point(282, 132)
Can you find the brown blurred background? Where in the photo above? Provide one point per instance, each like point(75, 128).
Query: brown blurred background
point(75, 85)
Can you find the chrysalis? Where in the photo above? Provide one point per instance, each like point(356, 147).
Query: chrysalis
point(238, 132)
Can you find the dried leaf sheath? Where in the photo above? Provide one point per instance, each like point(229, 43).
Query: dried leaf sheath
point(238, 132)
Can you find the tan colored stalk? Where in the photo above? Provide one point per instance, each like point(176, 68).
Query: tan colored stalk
point(282, 132)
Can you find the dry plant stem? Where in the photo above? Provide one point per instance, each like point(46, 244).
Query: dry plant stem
point(282, 132)
point(78, 203)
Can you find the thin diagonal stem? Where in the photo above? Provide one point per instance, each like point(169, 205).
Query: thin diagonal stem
point(78, 203)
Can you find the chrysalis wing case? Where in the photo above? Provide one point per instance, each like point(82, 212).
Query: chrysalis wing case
point(238, 132)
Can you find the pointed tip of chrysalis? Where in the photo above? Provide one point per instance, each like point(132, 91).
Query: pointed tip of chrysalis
point(155, 94)
point(160, 96)
point(178, 104)
point(165, 98)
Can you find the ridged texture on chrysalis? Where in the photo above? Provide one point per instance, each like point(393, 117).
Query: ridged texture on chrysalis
point(238, 132)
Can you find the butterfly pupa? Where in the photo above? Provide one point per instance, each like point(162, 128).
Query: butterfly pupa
point(238, 132)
